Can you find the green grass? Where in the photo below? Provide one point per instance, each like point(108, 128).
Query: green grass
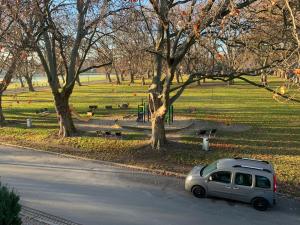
point(274, 133)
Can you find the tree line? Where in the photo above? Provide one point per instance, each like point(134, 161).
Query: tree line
point(159, 40)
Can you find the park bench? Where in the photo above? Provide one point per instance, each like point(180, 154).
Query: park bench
point(43, 110)
point(124, 106)
point(192, 110)
point(93, 107)
point(109, 134)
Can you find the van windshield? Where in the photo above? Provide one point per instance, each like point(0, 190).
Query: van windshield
point(208, 169)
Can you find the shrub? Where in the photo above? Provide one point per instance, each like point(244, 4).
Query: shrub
point(9, 207)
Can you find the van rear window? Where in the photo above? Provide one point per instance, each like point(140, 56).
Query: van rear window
point(262, 182)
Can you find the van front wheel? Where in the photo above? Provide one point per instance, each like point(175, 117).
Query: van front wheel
point(198, 191)
point(260, 204)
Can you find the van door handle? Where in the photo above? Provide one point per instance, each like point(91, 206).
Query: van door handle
point(235, 188)
point(228, 187)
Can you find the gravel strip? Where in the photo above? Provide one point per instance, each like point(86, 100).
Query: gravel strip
point(31, 216)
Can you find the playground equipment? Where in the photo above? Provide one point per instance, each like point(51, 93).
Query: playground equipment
point(143, 109)
point(170, 115)
point(77, 116)
point(143, 112)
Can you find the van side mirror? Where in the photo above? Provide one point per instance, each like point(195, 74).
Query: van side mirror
point(210, 178)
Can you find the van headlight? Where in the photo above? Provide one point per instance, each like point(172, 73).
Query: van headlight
point(189, 178)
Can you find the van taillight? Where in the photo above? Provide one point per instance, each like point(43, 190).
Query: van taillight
point(274, 183)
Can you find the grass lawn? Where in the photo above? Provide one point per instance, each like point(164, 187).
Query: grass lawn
point(274, 133)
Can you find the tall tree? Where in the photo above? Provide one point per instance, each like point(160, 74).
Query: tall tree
point(67, 31)
point(181, 25)
point(27, 68)
point(12, 44)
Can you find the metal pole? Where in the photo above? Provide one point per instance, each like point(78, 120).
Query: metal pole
point(172, 113)
point(144, 113)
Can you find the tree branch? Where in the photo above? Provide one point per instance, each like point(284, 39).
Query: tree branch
point(94, 67)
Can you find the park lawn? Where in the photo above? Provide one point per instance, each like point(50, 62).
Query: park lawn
point(274, 133)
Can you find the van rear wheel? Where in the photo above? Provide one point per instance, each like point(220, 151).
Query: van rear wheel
point(260, 204)
point(198, 191)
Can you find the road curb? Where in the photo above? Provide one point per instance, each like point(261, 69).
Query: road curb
point(108, 163)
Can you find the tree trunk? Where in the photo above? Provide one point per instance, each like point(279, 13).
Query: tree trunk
point(2, 118)
point(108, 77)
point(178, 76)
point(58, 83)
point(149, 74)
point(66, 124)
point(21, 81)
point(143, 81)
point(78, 81)
point(29, 83)
point(158, 138)
point(118, 77)
point(231, 82)
point(131, 77)
point(122, 75)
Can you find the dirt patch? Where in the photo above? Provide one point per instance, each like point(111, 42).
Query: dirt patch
point(184, 125)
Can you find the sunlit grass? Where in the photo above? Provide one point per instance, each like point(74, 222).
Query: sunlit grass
point(274, 133)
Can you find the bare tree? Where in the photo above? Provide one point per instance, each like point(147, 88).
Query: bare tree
point(67, 30)
point(180, 25)
point(27, 68)
point(12, 44)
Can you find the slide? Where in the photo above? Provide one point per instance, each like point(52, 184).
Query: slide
point(77, 116)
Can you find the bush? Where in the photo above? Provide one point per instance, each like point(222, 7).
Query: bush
point(9, 207)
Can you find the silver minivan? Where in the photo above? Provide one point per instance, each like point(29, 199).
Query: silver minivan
point(242, 179)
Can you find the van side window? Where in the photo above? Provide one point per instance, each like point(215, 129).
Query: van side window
point(262, 182)
point(221, 176)
point(243, 179)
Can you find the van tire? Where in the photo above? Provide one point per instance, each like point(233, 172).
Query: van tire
point(260, 204)
point(199, 191)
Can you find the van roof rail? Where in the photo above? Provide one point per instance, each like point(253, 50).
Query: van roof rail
point(257, 160)
point(252, 167)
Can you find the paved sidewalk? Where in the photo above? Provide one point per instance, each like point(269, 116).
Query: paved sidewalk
point(31, 216)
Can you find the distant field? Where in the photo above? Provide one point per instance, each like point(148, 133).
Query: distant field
point(42, 81)
point(274, 136)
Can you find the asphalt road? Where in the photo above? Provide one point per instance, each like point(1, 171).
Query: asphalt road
point(94, 194)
